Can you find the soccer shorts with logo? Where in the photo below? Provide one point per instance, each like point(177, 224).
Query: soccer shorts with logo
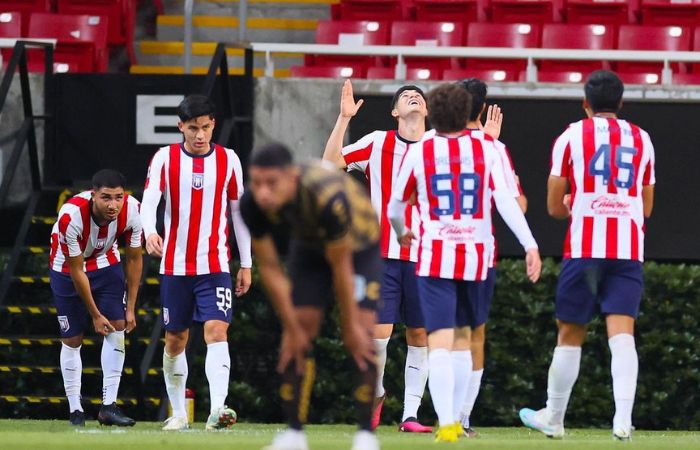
point(108, 289)
point(608, 286)
point(196, 298)
point(312, 280)
point(450, 303)
point(399, 295)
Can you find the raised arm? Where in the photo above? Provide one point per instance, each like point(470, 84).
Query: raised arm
point(348, 109)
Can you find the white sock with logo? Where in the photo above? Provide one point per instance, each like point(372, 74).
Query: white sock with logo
point(462, 367)
point(381, 345)
point(175, 374)
point(563, 373)
point(415, 377)
point(624, 367)
point(442, 382)
point(472, 394)
point(217, 366)
point(112, 365)
point(72, 371)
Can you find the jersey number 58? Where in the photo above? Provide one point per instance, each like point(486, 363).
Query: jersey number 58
point(468, 190)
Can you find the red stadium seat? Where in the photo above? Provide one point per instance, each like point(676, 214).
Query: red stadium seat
point(576, 36)
point(485, 75)
point(428, 34)
point(347, 32)
point(121, 14)
point(639, 77)
point(327, 72)
point(387, 73)
point(373, 10)
point(508, 35)
point(661, 38)
point(26, 8)
point(527, 11)
point(680, 79)
point(82, 40)
point(544, 76)
point(10, 27)
point(465, 11)
point(671, 12)
point(609, 12)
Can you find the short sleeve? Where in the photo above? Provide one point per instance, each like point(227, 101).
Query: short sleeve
point(357, 155)
point(134, 229)
point(561, 155)
point(335, 216)
point(253, 216)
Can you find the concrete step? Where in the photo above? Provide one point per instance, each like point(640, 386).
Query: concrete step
point(225, 29)
point(289, 9)
point(171, 53)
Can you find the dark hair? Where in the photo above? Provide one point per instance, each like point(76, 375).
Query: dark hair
point(194, 106)
point(274, 154)
point(108, 178)
point(477, 89)
point(604, 91)
point(402, 89)
point(448, 108)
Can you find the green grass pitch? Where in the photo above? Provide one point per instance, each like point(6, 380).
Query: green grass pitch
point(48, 435)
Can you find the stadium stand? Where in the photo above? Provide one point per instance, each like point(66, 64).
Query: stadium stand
point(670, 12)
point(329, 71)
point(486, 75)
point(25, 8)
point(373, 10)
point(669, 38)
point(504, 35)
point(10, 27)
point(529, 11)
point(610, 12)
point(348, 32)
point(414, 74)
point(465, 11)
point(576, 36)
point(428, 34)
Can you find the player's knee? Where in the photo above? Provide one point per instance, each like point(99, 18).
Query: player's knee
point(416, 337)
point(73, 341)
point(571, 334)
point(175, 342)
point(215, 332)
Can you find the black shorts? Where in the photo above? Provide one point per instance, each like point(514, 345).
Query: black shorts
point(312, 279)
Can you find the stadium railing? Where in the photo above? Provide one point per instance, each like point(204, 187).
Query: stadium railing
point(530, 54)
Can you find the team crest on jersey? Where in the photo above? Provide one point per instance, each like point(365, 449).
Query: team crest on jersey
point(197, 180)
point(100, 244)
point(166, 316)
point(63, 323)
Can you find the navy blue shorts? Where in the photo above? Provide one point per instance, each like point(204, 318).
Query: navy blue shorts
point(399, 295)
point(197, 298)
point(108, 290)
point(454, 303)
point(609, 286)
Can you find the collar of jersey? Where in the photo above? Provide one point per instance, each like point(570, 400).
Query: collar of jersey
point(192, 155)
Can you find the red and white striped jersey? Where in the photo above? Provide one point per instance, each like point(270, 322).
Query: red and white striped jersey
point(76, 233)
point(196, 190)
point(379, 155)
point(607, 162)
point(454, 179)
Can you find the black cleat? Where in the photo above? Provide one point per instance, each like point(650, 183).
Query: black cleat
point(77, 418)
point(112, 415)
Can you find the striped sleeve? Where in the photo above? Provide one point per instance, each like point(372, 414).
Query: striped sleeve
point(69, 233)
point(357, 155)
point(561, 155)
point(649, 176)
point(134, 231)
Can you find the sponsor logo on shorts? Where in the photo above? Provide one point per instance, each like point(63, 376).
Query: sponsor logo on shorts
point(197, 180)
point(63, 323)
point(166, 316)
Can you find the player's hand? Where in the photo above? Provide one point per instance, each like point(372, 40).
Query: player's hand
point(154, 245)
point(359, 343)
point(567, 202)
point(348, 107)
point(533, 264)
point(130, 320)
point(102, 325)
point(407, 239)
point(243, 280)
point(295, 343)
point(494, 120)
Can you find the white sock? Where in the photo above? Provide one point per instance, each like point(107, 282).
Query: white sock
point(472, 394)
point(175, 374)
point(72, 371)
point(442, 383)
point(562, 375)
point(462, 368)
point(624, 367)
point(112, 365)
point(217, 365)
point(381, 363)
point(415, 377)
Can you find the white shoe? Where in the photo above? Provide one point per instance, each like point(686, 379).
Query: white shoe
point(289, 440)
point(175, 423)
point(221, 418)
point(538, 420)
point(365, 440)
point(622, 433)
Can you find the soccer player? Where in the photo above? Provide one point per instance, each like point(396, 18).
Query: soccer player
point(490, 131)
point(86, 278)
point(378, 155)
point(454, 177)
point(333, 239)
point(602, 180)
point(200, 181)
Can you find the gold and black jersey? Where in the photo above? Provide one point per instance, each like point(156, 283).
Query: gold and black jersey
point(328, 206)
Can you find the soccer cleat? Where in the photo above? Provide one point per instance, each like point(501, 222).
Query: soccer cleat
point(470, 432)
point(377, 411)
point(290, 439)
point(111, 415)
point(411, 425)
point(365, 440)
point(175, 423)
point(222, 418)
point(77, 418)
point(449, 433)
point(622, 433)
point(538, 421)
